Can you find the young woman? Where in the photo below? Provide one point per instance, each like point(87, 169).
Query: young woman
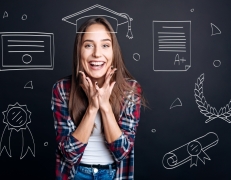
point(96, 109)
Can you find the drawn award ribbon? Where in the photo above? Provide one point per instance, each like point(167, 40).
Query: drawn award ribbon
point(195, 150)
point(191, 151)
point(17, 117)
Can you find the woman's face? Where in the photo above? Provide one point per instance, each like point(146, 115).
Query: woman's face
point(96, 51)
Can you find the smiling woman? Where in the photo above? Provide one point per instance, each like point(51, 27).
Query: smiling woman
point(96, 52)
point(96, 109)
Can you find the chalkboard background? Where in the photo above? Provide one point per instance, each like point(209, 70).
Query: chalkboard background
point(161, 129)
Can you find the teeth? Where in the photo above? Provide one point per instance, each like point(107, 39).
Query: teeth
point(97, 63)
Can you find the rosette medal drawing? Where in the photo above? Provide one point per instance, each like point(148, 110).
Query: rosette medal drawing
point(191, 151)
point(17, 117)
point(116, 19)
point(206, 109)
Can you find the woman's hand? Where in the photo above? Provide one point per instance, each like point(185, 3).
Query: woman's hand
point(104, 92)
point(90, 91)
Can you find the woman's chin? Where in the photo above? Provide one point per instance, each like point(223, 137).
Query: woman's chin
point(97, 76)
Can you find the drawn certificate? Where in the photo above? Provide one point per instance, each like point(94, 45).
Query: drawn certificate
point(27, 51)
point(171, 45)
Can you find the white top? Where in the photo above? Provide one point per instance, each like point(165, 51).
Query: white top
point(96, 151)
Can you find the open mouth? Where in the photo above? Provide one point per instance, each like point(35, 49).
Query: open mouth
point(97, 64)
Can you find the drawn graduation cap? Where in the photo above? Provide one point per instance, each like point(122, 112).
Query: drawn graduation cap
point(115, 19)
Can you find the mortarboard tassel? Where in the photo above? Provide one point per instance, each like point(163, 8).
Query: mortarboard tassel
point(129, 33)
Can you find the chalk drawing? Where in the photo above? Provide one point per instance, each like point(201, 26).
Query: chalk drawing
point(192, 10)
point(46, 144)
point(17, 117)
point(206, 109)
point(27, 51)
point(215, 30)
point(216, 63)
point(136, 56)
point(5, 14)
point(24, 17)
point(116, 19)
point(29, 85)
point(191, 151)
point(153, 130)
point(171, 45)
point(177, 59)
point(176, 102)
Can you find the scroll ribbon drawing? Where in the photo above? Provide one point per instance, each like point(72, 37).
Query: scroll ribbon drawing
point(191, 151)
point(17, 117)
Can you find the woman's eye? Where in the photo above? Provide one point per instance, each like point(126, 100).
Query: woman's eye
point(88, 45)
point(106, 46)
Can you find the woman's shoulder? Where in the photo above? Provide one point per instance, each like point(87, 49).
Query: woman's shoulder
point(133, 82)
point(63, 83)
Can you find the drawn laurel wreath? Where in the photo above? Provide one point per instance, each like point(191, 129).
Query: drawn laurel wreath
point(205, 108)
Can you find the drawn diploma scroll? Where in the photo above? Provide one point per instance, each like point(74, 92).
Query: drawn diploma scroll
point(27, 51)
point(171, 45)
point(191, 151)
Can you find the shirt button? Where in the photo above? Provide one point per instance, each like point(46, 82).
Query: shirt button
point(95, 170)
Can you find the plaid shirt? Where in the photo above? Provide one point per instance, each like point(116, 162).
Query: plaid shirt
point(69, 150)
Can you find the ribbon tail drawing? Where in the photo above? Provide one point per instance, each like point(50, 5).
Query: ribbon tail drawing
point(5, 141)
point(193, 161)
point(27, 144)
point(202, 156)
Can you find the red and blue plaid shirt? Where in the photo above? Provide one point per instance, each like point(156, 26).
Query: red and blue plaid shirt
point(69, 150)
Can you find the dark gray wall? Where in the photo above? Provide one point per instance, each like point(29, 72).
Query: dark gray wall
point(174, 127)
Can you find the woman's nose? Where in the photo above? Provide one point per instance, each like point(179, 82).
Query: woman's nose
point(97, 52)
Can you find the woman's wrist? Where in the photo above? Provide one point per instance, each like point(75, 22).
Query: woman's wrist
point(105, 108)
point(92, 109)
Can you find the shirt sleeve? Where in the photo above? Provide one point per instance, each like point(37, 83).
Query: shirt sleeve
point(71, 148)
point(128, 122)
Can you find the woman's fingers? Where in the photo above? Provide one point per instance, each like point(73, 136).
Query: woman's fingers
point(112, 86)
point(108, 76)
point(85, 80)
point(108, 71)
point(89, 82)
point(96, 86)
point(91, 86)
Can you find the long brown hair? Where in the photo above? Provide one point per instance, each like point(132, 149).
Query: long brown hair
point(78, 101)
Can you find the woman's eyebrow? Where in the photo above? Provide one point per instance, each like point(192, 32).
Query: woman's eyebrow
point(106, 40)
point(89, 40)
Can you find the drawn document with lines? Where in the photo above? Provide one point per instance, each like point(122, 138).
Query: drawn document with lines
point(26, 50)
point(171, 45)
